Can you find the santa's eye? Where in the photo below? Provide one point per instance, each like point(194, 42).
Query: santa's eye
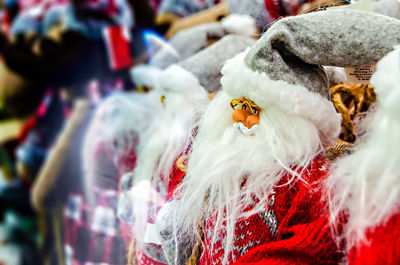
point(245, 104)
point(236, 103)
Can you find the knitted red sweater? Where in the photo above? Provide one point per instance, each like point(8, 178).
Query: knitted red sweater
point(381, 247)
point(292, 230)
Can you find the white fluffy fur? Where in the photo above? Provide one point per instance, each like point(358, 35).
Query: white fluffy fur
point(240, 24)
point(165, 140)
point(223, 156)
point(146, 75)
point(239, 80)
point(336, 75)
point(168, 136)
point(366, 184)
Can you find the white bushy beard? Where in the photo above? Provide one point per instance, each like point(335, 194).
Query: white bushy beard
point(223, 157)
point(160, 146)
point(166, 139)
point(365, 186)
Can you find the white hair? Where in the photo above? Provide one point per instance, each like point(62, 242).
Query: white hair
point(169, 134)
point(365, 186)
point(223, 158)
point(163, 142)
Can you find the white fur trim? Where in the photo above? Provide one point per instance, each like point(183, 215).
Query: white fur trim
point(145, 75)
point(385, 80)
point(239, 24)
point(177, 79)
point(336, 75)
point(240, 81)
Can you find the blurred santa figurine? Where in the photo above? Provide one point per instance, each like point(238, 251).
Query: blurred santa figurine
point(365, 186)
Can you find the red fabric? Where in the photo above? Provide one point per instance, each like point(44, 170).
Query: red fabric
point(155, 4)
point(41, 111)
point(92, 232)
point(126, 232)
point(28, 126)
point(128, 160)
point(381, 247)
point(112, 7)
point(282, 8)
point(273, 8)
point(302, 235)
point(6, 23)
point(143, 259)
point(118, 47)
point(176, 177)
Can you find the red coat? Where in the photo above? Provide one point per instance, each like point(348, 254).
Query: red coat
point(292, 230)
point(381, 247)
point(282, 8)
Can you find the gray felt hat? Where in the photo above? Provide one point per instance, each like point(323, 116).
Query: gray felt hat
point(204, 68)
point(189, 41)
point(284, 67)
point(186, 43)
point(389, 8)
point(206, 65)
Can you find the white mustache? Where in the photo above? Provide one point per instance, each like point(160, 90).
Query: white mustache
point(246, 131)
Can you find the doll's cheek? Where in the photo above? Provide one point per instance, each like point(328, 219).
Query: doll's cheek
point(252, 120)
point(239, 115)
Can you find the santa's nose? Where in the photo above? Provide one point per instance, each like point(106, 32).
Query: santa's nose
point(247, 118)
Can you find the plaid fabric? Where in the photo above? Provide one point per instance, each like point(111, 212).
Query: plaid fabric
point(92, 232)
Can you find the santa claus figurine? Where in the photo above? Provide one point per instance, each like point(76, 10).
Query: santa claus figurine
point(252, 190)
point(364, 186)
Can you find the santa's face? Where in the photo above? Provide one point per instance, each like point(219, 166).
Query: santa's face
point(246, 115)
